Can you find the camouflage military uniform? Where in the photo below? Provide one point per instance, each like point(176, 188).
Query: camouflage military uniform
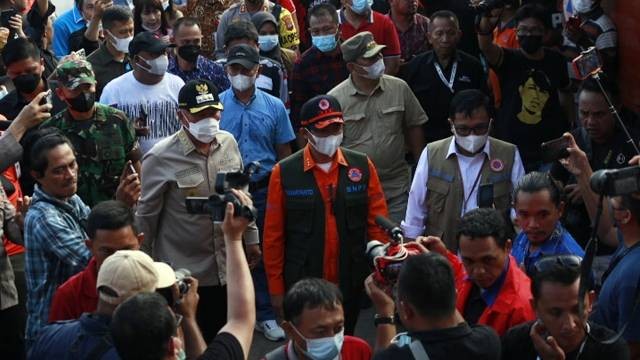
point(101, 146)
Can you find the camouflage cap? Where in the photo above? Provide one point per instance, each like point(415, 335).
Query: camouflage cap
point(72, 72)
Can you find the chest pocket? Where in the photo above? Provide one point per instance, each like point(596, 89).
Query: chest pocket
point(355, 127)
point(189, 181)
point(437, 192)
point(392, 119)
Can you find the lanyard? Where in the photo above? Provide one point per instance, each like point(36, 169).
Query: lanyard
point(473, 187)
point(452, 78)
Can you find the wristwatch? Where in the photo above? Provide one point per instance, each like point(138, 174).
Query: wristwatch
point(383, 320)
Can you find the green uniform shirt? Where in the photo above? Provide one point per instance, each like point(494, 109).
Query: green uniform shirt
point(101, 148)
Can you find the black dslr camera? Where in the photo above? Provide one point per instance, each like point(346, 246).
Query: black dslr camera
point(616, 182)
point(215, 204)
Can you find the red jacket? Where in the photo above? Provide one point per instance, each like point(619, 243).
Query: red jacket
point(512, 305)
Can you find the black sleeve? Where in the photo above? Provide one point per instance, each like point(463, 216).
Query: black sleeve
point(224, 346)
point(36, 23)
point(78, 41)
point(517, 345)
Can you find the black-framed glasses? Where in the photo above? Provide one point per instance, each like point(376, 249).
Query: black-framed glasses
point(547, 263)
point(481, 129)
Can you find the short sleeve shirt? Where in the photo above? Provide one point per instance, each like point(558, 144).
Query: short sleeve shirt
point(224, 346)
point(382, 28)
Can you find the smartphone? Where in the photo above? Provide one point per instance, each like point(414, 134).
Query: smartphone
point(555, 149)
point(47, 98)
point(131, 169)
point(587, 64)
point(5, 16)
point(485, 196)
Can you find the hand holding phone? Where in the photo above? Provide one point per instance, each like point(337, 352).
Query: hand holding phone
point(555, 149)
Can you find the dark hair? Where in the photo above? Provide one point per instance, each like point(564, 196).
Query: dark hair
point(426, 282)
point(467, 101)
point(109, 215)
point(309, 294)
point(557, 273)
point(591, 85)
point(483, 222)
point(444, 14)
point(185, 21)
point(631, 202)
point(142, 327)
point(20, 49)
point(141, 5)
point(116, 14)
point(538, 181)
point(535, 11)
point(240, 30)
point(38, 155)
point(324, 9)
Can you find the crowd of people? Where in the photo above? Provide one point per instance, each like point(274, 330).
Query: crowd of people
point(178, 174)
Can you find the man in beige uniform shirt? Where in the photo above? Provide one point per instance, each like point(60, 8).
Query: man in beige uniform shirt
point(186, 164)
point(382, 118)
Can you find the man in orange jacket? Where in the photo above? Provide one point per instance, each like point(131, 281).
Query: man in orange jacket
point(492, 290)
point(321, 209)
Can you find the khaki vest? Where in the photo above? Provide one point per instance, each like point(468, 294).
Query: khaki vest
point(445, 192)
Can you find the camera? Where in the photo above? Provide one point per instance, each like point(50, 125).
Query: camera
point(183, 285)
point(387, 259)
point(587, 64)
point(616, 182)
point(215, 204)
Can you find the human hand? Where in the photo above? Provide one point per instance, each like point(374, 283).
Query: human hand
point(577, 162)
point(574, 194)
point(635, 160)
point(22, 206)
point(99, 8)
point(546, 346)
point(188, 304)
point(433, 243)
point(381, 301)
point(233, 227)
point(30, 116)
point(253, 255)
point(4, 36)
point(129, 188)
point(16, 24)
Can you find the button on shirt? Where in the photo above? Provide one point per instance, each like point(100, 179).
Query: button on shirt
point(413, 224)
point(55, 251)
point(171, 171)
point(69, 22)
point(205, 69)
point(375, 124)
point(258, 127)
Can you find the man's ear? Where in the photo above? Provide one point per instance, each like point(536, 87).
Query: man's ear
point(60, 93)
point(507, 246)
point(88, 243)
point(590, 298)
point(35, 174)
point(140, 238)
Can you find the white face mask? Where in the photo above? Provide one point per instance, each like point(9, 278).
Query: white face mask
point(471, 143)
point(121, 45)
point(157, 66)
point(582, 6)
point(326, 145)
point(375, 71)
point(204, 130)
point(242, 82)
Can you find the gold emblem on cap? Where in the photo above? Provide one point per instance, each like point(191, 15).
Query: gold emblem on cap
point(371, 45)
point(202, 88)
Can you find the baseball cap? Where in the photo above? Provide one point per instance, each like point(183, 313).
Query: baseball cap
point(360, 45)
point(321, 111)
point(147, 41)
point(198, 95)
point(74, 71)
point(129, 272)
point(243, 54)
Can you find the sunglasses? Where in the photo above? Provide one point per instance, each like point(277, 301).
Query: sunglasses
point(550, 262)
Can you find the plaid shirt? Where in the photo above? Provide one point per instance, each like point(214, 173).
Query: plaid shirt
point(414, 40)
point(205, 69)
point(314, 74)
point(55, 251)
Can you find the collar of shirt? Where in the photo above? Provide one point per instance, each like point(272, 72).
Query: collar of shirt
point(237, 101)
point(355, 91)
point(174, 67)
point(309, 163)
point(77, 15)
point(548, 247)
point(90, 277)
point(95, 323)
point(39, 193)
point(431, 57)
point(453, 149)
point(187, 144)
point(265, 7)
point(342, 18)
point(102, 56)
point(433, 336)
point(490, 294)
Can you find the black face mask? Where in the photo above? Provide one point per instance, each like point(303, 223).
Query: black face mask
point(26, 83)
point(530, 43)
point(189, 52)
point(83, 102)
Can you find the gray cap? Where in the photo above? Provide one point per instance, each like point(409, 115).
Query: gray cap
point(360, 45)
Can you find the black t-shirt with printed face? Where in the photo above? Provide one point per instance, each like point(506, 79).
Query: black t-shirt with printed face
point(531, 111)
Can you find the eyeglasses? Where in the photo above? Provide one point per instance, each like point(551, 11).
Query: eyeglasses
point(527, 31)
point(547, 263)
point(477, 130)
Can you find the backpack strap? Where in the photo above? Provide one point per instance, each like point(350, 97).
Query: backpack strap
point(418, 351)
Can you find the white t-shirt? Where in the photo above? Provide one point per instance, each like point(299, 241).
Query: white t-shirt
point(159, 102)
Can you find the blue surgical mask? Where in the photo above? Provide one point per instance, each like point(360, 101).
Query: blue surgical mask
point(324, 43)
point(361, 7)
point(324, 348)
point(267, 42)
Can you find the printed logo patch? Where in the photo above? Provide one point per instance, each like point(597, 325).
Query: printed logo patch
point(354, 174)
point(496, 165)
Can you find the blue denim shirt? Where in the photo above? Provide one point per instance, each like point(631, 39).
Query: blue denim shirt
point(205, 69)
point(63, 27)
point(559, 243)
point(257, 127)
point(55, 251)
